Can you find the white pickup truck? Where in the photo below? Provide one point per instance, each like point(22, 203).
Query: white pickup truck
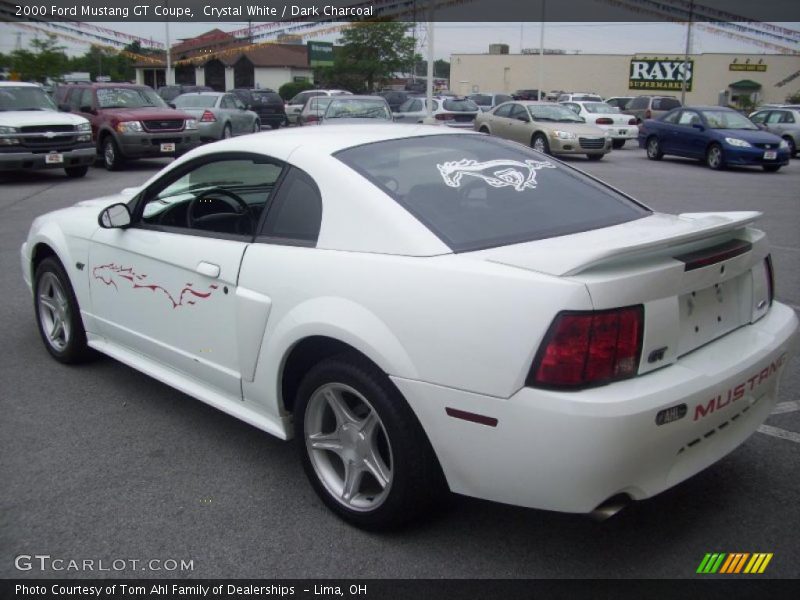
point(35, 135)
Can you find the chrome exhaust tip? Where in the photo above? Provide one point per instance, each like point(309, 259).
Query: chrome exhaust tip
point(610, 507)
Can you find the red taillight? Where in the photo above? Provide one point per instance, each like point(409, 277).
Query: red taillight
point(770, 278)
point(647, 114)
point(632, 122)
point(208, 117)
point(604, 121)
point(444, 117)
point(589, 348)
point(311, 118)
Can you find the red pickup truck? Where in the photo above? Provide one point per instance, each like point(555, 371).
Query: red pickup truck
point(130, 121)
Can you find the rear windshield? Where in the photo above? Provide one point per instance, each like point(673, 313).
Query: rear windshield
point(266, 98)
point(358, 108)
point(195, 101)
point(599, 108)
point(478, 192)
point(665, 103)
point(460, 104)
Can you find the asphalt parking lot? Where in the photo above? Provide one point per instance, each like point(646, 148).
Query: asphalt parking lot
point(102, 462)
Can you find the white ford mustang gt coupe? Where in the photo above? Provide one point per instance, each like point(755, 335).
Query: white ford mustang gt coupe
point(427, 309)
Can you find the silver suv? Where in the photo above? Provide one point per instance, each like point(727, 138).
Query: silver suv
point(650, 107)
point(783, 121)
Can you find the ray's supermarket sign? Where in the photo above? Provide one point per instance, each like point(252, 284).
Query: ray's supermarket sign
point(655, 74)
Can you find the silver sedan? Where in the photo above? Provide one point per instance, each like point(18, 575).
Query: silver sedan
point(219, 115)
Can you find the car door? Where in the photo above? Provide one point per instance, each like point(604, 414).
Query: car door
point(167, 286)
point(501, 119)
point(232, 113)
point(519, 127)
point(688, 135)
point(778, 121)
point(244, 116)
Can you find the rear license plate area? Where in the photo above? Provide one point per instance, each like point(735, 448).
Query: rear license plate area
point(168, 147)
point(709, 313)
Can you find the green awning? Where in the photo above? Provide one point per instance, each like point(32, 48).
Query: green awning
point(745, 84)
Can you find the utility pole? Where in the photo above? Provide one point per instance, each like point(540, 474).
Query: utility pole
point(686, 53)
point(429, 86)
point(541, 56)
point(167, 75)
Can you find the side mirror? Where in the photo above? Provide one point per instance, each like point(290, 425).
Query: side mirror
point(523, 118)
point(249, 107)
point(87, 109)
point(63, 107)
point(116, 216)
point(171, 104)
point(698, 126)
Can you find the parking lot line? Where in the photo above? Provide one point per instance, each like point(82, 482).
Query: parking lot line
point(786, 407)
point(780, 433)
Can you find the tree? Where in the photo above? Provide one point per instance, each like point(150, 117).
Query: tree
point(374, 51)
point(46, 60)
point(289, 90)
point(441, 68)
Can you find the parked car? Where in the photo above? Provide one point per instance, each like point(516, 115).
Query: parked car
point(717, 135)
point(354, 316)
point(219, 115)
point(313, 110)
point(395, 98)
point(455, 112)
point(295, 105)
point(527, 95)
point(168, 93)
point(488, 100)
point(578, 97)
point(131, 121)
point(619, 102)
point(367, 110)
point(547, 127)
point(267, 104)
point(783, 121)
point(650, 107)
point(619, 127)
point(34, 135)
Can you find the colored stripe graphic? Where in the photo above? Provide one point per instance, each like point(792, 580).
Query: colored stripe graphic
point(733, 563)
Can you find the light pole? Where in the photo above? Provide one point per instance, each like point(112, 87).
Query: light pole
point(686, 53)
point(167, 76)
point(541, 56)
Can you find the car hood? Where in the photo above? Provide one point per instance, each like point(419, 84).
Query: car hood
point(148, 113)
point(754, 136)
point(123, 196)
point(25, 118)
point(576, 128)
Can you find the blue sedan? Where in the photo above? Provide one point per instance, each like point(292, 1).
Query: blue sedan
point(716, 135)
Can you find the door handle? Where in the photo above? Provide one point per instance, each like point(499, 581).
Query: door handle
point(208, 269)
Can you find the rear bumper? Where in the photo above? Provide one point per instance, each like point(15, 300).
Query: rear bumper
point(572, 451)
point(79, 156)
point(148, 145)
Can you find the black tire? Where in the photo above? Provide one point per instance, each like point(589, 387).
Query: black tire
point(70, 348)
point(538, 139)
point(112, 159)
point(415, 484)
point(484, 129)
point(771, 168)
point(792, 146)
point(257, 127)
point(227, 132)
point(617, 144)
point(76, 172)
point(653, 148)
point(595, 157)
point(715, 159)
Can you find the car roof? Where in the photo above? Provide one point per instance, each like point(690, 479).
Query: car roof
point(281, 143)
point(356, 97)
point(18, 84)
point(202, 93)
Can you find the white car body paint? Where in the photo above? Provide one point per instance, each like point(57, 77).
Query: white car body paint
point(385, 285)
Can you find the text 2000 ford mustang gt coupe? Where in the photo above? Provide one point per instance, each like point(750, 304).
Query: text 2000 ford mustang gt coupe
point(426, 308)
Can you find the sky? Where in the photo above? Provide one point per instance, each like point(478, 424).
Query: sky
point(465, 38)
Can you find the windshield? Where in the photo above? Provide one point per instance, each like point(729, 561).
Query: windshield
point(347, 108)
point(598, 108)
point(266, 98)
point(475, 191)
point(725, 119)
point(187, 101)
point(25, 98)
point(128, 97)
point(553, 112)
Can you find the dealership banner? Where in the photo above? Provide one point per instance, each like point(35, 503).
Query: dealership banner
point(756, 18)
point(655, 74)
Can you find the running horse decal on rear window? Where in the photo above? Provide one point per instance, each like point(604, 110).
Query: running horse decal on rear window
point(111, 273)
point(497, 173)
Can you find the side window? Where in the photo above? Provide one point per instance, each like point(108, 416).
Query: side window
point(519, 112)
point(296, 213)
point(504, 110)
point(776, 116)
point(74, 98)
point(87, 98)
point(787, 117)
point(640, 102)
point(237, 103)
point(576, 108)
point(759, 117)
point(226, 196)
point(672, 117)
point(689, 117)
point(226, 102)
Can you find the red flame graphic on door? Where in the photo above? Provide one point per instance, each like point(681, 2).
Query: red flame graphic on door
point(111, 273)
